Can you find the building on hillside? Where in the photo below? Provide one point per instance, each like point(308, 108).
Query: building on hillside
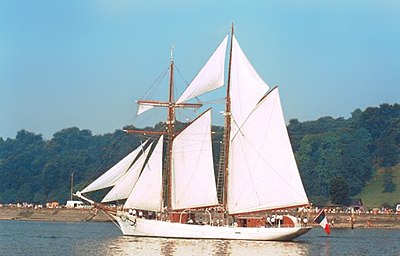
point(356, 205)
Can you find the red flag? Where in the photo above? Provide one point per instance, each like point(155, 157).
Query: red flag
point(322, 221)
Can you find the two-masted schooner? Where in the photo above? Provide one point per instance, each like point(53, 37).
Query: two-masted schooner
point(178, 191)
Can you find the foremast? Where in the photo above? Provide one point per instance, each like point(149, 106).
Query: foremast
point(170, 132)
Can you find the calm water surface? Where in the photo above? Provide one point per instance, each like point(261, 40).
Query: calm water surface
point(89, 238)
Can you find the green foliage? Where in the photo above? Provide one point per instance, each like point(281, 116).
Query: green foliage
point(352, 148)
point(36, 170)
point(388, 184)
point(339, 191)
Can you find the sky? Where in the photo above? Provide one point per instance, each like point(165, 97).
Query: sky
point(84, 62)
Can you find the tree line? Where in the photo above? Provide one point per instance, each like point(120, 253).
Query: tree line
point(336, 156)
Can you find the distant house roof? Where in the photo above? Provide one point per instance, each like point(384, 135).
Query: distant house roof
point(356, 202)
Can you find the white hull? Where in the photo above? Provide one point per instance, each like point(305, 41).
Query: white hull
point(132, 226)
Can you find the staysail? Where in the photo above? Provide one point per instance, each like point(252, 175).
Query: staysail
point(124, 186)
point(111, 177)
point(147, 193)
point(263, 172)
point(210, 77)
point(193, 182)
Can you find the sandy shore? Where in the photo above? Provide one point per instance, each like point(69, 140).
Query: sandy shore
point(52, 214)
point(363, 220)
point(341, 220)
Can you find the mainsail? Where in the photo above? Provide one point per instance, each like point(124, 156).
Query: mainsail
point(147, 193)
point(193, 180)
point(111, 177)
point(263, 172)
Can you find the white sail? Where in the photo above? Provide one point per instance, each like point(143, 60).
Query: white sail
point(210, 77)
point(111, 177)
point(147, 193)
point(263, 172)
point(247, 87)
point(193, 182)
point(143, 108)
point(124, 186)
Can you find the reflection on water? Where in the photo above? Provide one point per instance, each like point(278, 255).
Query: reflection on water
point(85, 238)
point(177, 247)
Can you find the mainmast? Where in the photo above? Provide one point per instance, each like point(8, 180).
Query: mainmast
point(228, 118)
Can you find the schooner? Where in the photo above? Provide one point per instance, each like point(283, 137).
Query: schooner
point(181, 198)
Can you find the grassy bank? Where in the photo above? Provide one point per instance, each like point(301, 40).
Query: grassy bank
point(373, 195)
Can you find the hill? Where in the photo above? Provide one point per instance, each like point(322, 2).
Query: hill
point(337, 158)
point(374, 194)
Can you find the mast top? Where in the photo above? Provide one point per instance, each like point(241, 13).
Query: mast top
point(172, 53)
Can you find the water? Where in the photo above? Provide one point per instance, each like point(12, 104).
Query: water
point(90, 238)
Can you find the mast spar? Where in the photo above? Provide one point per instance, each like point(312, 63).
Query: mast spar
point(170, 133)
point(227, 126)
point(171, 106)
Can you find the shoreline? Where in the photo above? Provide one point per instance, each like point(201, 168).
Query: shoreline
point(53, 214)
point(364, 220)
point(341, 220)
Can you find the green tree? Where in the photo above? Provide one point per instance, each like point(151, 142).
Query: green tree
point(339, 190)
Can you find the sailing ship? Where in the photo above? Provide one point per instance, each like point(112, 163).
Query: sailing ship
point(174, 193)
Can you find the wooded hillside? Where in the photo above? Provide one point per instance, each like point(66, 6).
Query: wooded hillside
point(336, 156)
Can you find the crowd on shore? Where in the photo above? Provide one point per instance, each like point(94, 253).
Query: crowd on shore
point(51, 205)
point(311, 210)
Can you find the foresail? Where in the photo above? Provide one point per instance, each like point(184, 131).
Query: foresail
point(210, 77)
point(147, 193)
point(111, 177)
point(124, 186)
point(247, 87)
point(263, 172)
point(193, 182)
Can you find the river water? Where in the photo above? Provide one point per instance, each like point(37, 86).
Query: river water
point(91, 238)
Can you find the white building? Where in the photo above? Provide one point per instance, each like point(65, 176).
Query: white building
point(74, 204)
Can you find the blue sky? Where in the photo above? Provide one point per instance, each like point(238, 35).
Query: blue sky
point(84, 63)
